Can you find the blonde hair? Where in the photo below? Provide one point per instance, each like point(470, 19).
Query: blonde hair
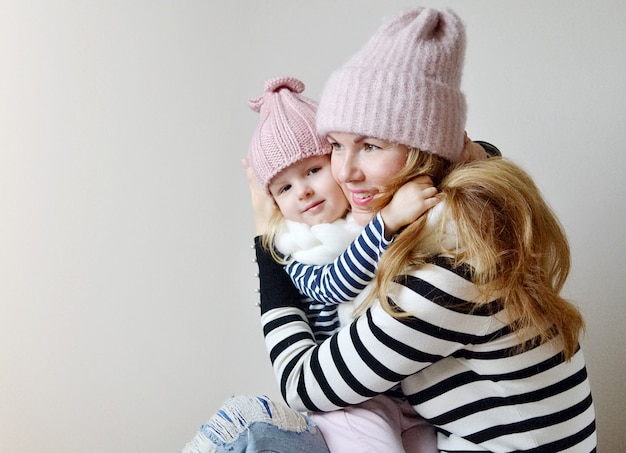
point(275, 226)
point(509, 238)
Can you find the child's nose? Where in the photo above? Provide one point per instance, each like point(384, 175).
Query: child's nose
point(306, 191)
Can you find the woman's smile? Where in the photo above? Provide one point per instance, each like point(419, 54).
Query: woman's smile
point(360, 198)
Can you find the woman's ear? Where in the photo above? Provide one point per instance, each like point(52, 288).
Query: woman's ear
point(472, 151)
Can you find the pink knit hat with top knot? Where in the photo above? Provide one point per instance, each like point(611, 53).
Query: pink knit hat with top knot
point(286, 131)
point(403, 86)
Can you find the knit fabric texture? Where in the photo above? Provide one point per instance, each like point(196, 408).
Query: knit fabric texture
point(286, 130)
point(403, 86)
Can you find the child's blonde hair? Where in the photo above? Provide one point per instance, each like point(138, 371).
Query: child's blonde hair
point(274, 227)
point(509, 238)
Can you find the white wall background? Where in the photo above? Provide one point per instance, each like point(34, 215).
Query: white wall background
point(126, 283)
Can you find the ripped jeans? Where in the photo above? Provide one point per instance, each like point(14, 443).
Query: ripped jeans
point(257, 424)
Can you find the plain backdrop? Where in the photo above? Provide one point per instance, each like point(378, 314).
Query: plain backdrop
point(127, 302)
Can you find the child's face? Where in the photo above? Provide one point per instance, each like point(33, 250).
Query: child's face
point(306, 192)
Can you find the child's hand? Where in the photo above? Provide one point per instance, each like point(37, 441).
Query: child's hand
point(411, 200)
point(262, 203)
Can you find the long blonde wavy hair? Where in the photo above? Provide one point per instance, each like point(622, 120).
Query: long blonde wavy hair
point(509, 237)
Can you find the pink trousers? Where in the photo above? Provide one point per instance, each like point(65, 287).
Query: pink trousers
point(382, 424)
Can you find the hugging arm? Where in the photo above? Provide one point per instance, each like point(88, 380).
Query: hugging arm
point(344, 278)
point(366, 358)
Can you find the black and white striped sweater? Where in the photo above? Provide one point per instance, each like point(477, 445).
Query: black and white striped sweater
point(460, 369)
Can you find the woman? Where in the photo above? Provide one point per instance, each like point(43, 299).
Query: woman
point(466, 313)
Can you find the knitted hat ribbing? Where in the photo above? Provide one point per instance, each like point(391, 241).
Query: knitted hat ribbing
point(286, 131)
point(403, 86)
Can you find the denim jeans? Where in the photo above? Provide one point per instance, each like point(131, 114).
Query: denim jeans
point(257, 424)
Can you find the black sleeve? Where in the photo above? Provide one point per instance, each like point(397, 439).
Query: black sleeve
point(491, 150)
point(276, 288)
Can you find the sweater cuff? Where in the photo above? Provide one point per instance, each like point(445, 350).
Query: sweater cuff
point(276, 288)
point(379, 225)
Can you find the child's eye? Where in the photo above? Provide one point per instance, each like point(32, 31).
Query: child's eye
point(314, 170)
point(285, 188)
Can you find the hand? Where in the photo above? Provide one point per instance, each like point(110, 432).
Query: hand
point(263, 205)
point(411, 200)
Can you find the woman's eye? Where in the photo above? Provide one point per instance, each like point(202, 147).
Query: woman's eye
point(335, 146)
point(370, 147)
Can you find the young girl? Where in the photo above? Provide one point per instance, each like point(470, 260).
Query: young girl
point(310, 223)
point(310, 226)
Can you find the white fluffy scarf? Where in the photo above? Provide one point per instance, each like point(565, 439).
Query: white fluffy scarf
point(317, 244)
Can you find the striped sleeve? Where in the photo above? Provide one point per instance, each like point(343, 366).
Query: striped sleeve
point(368, 357)
point(344, 278)
point(323, 319)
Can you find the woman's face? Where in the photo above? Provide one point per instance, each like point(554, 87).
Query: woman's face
point(363, 167)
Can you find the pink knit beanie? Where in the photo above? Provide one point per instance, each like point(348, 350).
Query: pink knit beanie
point(286, 131)
point(403, 86)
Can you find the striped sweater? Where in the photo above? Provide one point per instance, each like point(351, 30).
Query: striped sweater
point(332, 264)
point(460, 369)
